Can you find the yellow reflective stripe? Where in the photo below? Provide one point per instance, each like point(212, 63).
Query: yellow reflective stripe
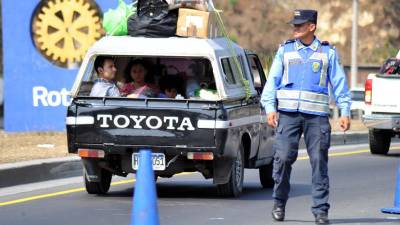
point(314, 107)
point(292, 94)
point(314, 97)
point(288, 104)
point(324, 71)
point(286, 58)
point(303, 95)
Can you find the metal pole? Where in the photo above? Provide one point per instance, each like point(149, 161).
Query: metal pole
point(354, 42)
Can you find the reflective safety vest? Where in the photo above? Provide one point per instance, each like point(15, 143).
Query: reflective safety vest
point(304, 84)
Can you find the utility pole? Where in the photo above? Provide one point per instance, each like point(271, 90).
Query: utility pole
point(354, 45)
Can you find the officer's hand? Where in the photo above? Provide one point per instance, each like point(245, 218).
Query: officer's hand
point(273, 119)
point(344, 122)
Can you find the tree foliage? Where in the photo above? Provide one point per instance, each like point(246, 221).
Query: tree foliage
point(261, 25)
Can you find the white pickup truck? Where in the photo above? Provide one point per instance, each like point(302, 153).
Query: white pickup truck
point(382, 110)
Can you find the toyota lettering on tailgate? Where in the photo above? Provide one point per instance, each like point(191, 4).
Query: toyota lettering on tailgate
point(150, 122)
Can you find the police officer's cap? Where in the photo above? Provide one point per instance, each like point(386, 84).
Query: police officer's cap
point(304, 15)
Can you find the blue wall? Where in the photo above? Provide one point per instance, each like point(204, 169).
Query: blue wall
point(34, 89)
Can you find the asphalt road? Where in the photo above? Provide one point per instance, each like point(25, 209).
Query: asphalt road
point(361, 184)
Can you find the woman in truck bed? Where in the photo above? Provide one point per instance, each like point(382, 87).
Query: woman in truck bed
point(136, 83)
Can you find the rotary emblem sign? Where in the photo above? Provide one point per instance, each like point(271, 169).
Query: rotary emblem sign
point(63, 30)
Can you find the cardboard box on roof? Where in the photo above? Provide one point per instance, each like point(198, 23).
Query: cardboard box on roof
point(196, 23)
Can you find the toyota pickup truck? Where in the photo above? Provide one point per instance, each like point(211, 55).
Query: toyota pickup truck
point(382, 109)
point(218, 132)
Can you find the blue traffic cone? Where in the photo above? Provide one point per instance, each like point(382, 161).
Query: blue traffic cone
point(396, 209)
point(145, 210)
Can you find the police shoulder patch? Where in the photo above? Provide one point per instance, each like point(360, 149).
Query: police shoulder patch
point(287, 42)
point(290, 41)
point(325, 43)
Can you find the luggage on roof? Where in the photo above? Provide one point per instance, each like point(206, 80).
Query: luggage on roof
point(202, 5)
point(115, 20)
point(153, 19)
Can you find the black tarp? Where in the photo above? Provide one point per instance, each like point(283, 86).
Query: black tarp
point(153, 19)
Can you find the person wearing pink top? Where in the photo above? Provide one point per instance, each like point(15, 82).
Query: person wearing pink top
point(136, 85)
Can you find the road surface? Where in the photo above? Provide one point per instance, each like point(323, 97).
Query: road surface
point(361, 184)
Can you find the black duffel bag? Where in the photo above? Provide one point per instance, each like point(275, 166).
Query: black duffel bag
point(153, 19)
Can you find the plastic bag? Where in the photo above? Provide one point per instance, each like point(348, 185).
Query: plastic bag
point(115, 21)
point(202, 5)
point(207, 94)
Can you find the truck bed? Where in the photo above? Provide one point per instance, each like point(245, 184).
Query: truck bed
point(385, 94)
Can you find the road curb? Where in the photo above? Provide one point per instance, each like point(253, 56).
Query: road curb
point(350, 138)
point(12, 174)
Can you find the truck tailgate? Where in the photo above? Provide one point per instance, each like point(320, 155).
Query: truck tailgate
point(385, 92)
point(140, 122)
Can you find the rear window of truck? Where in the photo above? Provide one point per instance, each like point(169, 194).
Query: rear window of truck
point(152, 77)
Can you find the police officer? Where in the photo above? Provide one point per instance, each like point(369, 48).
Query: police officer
point(297, 91)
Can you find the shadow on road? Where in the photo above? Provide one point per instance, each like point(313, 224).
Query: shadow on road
point(350, 221)
point(201, 190)
point(365, 221)
point(396, 155)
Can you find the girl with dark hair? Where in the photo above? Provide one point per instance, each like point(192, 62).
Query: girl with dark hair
point(135, 78)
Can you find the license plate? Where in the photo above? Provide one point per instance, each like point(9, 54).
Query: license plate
point(158, 161)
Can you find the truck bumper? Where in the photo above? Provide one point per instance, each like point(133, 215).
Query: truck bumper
point(384, 122)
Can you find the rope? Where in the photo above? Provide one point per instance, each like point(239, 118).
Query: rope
point(221, 26)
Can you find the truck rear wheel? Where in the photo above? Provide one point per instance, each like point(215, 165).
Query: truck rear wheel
point(234, 186)
point(100, 187)
point(379, 141)
point(265, 173)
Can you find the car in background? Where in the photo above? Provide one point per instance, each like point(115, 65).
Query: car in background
point(357, 102)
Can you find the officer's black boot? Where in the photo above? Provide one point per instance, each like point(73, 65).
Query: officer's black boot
point(321, 219)
point(278, 213)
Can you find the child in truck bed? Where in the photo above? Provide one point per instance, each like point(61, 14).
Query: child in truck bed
point(171, 87)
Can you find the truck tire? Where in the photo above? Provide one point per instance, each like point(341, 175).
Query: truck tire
point(234, 186)
point(379, 141)
point(101, 187)
point(265, 173)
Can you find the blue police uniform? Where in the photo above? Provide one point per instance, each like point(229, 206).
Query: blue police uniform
point(297, 88)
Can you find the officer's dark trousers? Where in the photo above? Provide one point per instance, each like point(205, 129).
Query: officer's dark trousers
point(316, 130)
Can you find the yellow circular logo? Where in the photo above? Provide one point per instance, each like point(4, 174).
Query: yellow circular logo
point(63, 30)
point(316, 66)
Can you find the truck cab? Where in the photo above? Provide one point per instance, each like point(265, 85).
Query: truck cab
point(217, 128)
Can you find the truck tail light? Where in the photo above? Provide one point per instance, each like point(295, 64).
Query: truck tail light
point(200, 155)
point(91, 153)
point(368, 91)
